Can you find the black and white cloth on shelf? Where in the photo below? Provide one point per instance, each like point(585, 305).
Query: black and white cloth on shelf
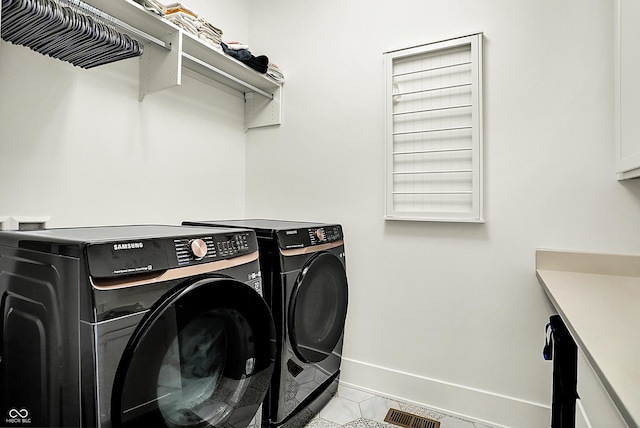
point(259, 63)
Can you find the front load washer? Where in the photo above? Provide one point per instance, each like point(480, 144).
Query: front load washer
point(132, 326)
point(304, 273)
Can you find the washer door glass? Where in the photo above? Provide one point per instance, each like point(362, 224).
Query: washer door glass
point(203, 357)
point(318, 308)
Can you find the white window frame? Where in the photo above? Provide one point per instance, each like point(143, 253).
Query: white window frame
point(470, 197)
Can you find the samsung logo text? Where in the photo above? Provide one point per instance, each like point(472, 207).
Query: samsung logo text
point(128, 246)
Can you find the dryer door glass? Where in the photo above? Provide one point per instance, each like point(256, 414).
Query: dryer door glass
point(203, 357)
point(318, 308)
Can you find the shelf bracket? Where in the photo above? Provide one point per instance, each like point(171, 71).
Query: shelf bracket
point(260, 112)
point(161, 68)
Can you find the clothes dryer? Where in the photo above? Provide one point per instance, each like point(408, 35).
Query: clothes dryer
point(132, 326)
point(304, 272)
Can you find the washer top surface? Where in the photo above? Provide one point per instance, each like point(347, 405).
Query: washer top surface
point(81, 235)
point(124, 250)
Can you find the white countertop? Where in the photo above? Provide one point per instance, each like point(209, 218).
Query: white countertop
point(598, 298)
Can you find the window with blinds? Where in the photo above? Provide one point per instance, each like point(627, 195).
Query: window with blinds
point(434, 131)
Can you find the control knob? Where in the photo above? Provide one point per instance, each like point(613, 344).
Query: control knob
point(320, 234)
point(198, 248)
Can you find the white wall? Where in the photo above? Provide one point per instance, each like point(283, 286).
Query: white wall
point(77, 146)
point(449, 315)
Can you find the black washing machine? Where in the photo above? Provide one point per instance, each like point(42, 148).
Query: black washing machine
point(304, 273)
point(132, 326)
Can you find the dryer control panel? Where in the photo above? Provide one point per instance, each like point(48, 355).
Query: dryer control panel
point(308, 237)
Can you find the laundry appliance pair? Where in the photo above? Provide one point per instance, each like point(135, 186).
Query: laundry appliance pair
point(133, 326)
point(305, 283)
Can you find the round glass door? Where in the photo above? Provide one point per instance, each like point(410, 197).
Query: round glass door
point(318, 308)
point(203, 357)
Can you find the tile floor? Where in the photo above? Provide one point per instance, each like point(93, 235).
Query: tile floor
point(354, 408)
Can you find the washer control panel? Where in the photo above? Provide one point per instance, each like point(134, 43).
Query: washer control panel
point(308, 237)
point(211, 248)
point(139, 256)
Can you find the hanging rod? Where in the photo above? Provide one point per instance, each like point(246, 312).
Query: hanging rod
point(453, 128)
point(440, 88)
point(442, 171)
point(114, 21)
point(143, 35)
point(420, 152)
point(424, 70)
point(227, 75)
point(427, 110)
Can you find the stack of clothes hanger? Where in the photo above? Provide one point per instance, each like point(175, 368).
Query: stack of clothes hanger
point(69, 30)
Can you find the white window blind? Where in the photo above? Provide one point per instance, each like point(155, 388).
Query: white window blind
point(434, 131)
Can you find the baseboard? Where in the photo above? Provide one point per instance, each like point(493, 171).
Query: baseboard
point(458, 400)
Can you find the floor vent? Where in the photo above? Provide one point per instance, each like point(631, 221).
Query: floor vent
point(408, 420)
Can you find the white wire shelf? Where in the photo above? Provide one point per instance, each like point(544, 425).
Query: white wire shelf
point(430, 110)
point(436, 192)
point(422, 131)
point(423, 152)
point(425, 70)
point(439, 171)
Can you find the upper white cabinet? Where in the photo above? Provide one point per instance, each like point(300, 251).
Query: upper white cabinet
point(627, 89)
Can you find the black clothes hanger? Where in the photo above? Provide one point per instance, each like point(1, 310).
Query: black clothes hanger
point(69, 30)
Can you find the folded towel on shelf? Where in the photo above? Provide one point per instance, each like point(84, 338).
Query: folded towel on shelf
point(212, 41)
point(188, 20)
point(210, 34)
point(153, 6)
point(179, 7)
point(274, 72)
point(206, 25)
point(237, 46)
point(185, 21)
